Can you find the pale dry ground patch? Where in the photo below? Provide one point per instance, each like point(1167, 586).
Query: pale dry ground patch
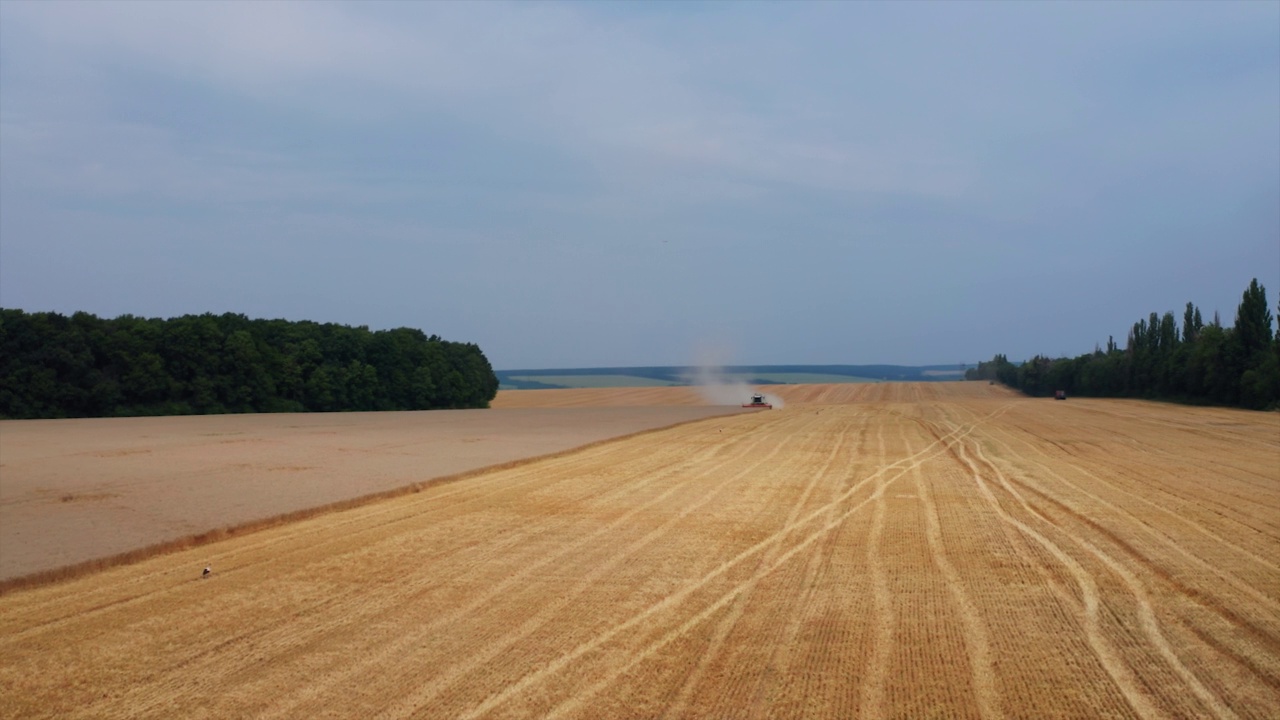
point(72, 491)
point(940, 550)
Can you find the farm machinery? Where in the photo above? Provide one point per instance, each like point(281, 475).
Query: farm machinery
point(758, 401)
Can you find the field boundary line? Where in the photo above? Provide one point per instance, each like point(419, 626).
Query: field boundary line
point(315, 632)
point(755, 438)
point(130, 557)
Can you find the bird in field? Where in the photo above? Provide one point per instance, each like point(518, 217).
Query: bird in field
point(207, 571)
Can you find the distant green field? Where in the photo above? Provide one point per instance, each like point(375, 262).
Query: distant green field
point(615, 381)
point(804, 378)
point(595, 381)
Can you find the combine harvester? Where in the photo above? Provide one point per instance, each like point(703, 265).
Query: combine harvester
point(757, 401)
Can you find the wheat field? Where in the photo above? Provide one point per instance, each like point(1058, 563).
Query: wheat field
point(893, 550)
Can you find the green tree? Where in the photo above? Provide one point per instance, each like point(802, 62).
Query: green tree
point(1253, 320)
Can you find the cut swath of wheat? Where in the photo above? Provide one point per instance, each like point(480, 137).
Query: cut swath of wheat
point(893, 550)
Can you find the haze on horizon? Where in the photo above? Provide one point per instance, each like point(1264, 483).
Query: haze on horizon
point(629, 184)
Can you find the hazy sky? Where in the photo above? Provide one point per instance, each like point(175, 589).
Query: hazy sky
point(591, 184)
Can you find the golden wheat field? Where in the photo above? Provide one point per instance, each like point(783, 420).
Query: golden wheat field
point(82, 492)
point(938, 550)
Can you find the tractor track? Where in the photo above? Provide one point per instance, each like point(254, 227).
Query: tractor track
point(883, 550)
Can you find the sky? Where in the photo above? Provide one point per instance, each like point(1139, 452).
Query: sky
point(629, 184)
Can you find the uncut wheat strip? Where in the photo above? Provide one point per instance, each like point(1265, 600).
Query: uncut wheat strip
point(676, 599)
point(762, 511)
point(787, 685)
point(299, 638)
point(1146, 615)
point(502, 641)
point(680, 702)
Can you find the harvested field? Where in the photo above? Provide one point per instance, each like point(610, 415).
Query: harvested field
point(72, 491)
point(935, 550)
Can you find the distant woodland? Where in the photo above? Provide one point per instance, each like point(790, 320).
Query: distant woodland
point(53, 366)
point(1197, 362)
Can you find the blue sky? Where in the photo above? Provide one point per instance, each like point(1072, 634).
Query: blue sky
point(592, 184)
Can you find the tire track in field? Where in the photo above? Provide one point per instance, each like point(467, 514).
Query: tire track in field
point(1149, 529)
point(1204, 599)
point(510, 637)
point(499, 479)
point(815, 569)
point(677, 598)
point(301, 637)
point(824, 647)
point(1263, 637)
point(358, 517)
point(298, 540)
point(580, 695)
point(975, 635)
point(1146, 614)
point(1112, 411)
point(348, 671)
point(726, 625)
point(1206, 504)
point(779, 656)
point(1199, 597)
point(1115, 667)
point(872, 690)
point(1135, 429)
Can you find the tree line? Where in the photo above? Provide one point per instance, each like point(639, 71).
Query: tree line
point(53, 366)
point(1197, 362)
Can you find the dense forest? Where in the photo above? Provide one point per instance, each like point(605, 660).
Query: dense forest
point(52, 366)
point(1195, 363)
